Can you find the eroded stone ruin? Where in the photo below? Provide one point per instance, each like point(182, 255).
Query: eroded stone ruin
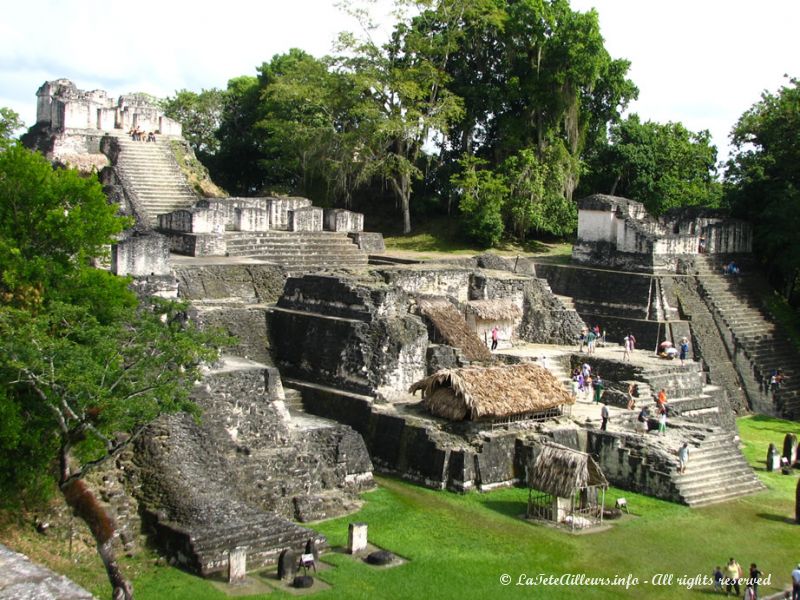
point(331, 337)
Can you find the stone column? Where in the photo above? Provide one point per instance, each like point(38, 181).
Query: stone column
point(356, 538)
point(237, 565)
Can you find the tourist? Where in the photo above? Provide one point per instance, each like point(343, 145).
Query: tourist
point(495, 333)
point(642, 419)
point(586, 369)
point(151, 137)
point(752, 582)
point(587, 388)
point(629, 343)
point(605, 416)
point(598, 387)
point(582, 339)
point(662, 420)
point(633, 394)
point(796, 583)
point(718, 577)
point(701, 246)
point(684, 352)
point(683, 458)
point(732, 574)
point(590, 341)
point(661, 399)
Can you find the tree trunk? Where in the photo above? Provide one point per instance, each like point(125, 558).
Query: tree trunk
point(405, 199)
point(402, 189)
point(85, 506)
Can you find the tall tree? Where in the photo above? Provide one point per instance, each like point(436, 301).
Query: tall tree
point(199, 115)
point(405, 102)
point(762, 179)
point(237, 166)
point(9, 124)
point(661, 165)
point(80, 361)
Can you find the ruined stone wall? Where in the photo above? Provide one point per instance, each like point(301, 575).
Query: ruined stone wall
point(358, 335)
point(419, 448)
point(545, 319)
point(630, 463)
point(247, 283)
point(430, 280)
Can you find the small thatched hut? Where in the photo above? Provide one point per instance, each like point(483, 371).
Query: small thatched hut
point(449, 326)
point(484, 315)
point(503, 393)
point(566, 486)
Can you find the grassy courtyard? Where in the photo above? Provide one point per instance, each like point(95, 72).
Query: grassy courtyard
point(459, 546)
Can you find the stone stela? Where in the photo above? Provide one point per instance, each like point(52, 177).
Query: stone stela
point(356, 538)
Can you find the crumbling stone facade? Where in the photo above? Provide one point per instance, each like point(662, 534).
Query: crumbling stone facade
point(618, 233)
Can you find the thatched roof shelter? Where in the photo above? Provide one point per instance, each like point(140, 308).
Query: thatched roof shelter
point(488, 393)
point(500, 309)
point(450, 324)
point(561, 471)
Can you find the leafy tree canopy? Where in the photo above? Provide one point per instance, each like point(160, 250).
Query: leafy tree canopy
point(9, 124)
point(762, 179)
point(80, 359)
point(661, 165)
point(199, 115)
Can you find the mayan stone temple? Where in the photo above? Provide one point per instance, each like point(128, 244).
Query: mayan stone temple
point(350, 361)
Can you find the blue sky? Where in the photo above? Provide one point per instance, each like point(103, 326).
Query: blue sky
point(701, 62)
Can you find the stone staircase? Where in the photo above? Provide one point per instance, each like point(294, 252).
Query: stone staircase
point(717, 471)
point(151, 175)
point(757, 345)
point(708, 342)
point(264, 536)
point(567, 301)
point(298, 249)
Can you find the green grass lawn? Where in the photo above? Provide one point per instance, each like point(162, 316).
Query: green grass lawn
point(459, 546)
point(439, 237)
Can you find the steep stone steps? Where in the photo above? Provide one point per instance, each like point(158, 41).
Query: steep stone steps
point(298, 249)
point(717, 471)
point(151, 175)
point(737, 301)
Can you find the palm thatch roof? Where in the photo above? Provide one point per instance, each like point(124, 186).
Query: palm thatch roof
point(487, 393)
point(453, 328)
point(560, 471)
point(500, 309)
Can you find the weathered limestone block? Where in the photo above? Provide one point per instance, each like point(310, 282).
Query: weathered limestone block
point(356, 537)
point(249, 283)
point(141, 255)
point(279, 210)
point(193, 220)
point(237, 565)
point(369, 242)
point(251, 219)
point(305, 219)
point(453, 282)
point(338, 219)
point(197, 244)
point(228, 207)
